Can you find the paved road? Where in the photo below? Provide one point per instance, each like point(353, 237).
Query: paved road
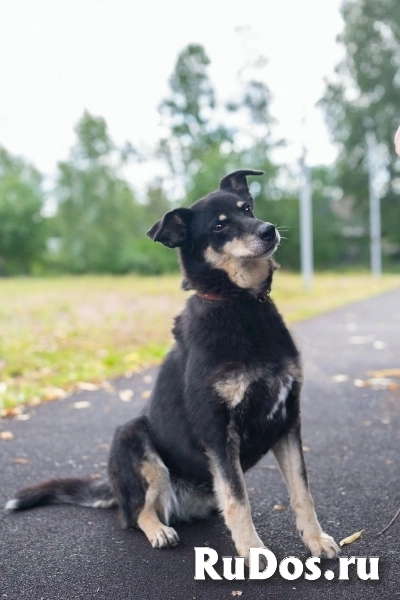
point(69, 553)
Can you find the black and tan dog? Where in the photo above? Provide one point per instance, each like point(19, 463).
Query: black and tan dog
point(228, 391)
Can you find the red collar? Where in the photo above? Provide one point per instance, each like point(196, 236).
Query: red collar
point(261, 297)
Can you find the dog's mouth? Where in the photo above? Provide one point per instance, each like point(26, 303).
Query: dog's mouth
point(263, 249)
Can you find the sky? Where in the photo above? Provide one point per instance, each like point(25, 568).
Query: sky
point(114, 58)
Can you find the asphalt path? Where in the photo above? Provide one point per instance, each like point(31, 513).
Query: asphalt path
point(351, 438)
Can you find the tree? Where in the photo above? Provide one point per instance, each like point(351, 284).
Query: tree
point(22, 227)
point(365, 95)
point(97, 214)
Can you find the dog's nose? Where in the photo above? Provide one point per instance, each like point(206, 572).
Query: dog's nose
point(267, 232)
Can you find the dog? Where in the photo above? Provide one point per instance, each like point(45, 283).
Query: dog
point(226, 394)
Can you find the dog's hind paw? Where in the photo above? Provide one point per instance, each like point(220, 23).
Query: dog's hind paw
point(165, 537)
point(322, 543)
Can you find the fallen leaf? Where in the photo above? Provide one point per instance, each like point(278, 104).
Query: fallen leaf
point(34, 401)
point(106, 385)
point(125, 395)
point(381, 383)
point(54, 393)
point(306, 449)
point(23, 417)
point(21, 461)
point(6, 435)
point(385, 373)
point(87, 387)
point(279, 507)
point(104, 446)
point(237, 593)
point(389, 462)
point(340, 378)
point(146, 394)
point(367, 423)
point(12, 412)
point(378, 345)
point(96, 476)
point(351, 538)
point(361, 339)
point(385, 421)
point(359, 383)
point(147, 379)
point(81, 404)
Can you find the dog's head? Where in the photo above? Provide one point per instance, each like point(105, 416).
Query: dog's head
point(221, 233)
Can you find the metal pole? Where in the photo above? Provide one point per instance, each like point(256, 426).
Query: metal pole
point(374, 208)
point(306, 231)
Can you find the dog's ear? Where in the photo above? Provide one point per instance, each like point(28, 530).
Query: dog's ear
point(236, 182)
point(173, 229)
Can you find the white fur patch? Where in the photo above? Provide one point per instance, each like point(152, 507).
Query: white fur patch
point(11, 505)
point(233, 387)
point(281, 399)
point(104, 503)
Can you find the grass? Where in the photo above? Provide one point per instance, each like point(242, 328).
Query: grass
point(57, 334)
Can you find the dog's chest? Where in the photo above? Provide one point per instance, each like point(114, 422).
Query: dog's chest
point(257, 386)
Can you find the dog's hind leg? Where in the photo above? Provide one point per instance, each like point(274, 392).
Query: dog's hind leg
point(289, 454)
point(141, 483)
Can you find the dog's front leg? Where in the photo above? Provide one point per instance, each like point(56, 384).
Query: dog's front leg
point(289, 454)
point(234, 503)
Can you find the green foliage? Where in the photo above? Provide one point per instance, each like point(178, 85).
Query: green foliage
point(97, 215)
point(365, 95)
point(99, 226)
point(22, 228)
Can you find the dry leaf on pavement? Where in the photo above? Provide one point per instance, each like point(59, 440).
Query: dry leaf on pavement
point(6, 435)
point(351, 538)
point(86, 386)
point(125, 395)
point(81, 404)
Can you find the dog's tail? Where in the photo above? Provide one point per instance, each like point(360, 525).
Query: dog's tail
point(70, 490)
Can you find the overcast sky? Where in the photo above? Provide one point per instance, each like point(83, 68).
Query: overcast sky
point(114, 58)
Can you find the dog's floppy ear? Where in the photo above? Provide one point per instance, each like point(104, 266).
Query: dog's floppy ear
point(236, 182)
point(173, 229)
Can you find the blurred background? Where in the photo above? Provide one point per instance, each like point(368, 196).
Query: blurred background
point(113, 112)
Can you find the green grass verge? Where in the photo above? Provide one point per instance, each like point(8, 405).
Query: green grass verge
point(56, 334)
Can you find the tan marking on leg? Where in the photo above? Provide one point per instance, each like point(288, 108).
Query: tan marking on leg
point(239, 204)
point(237, 514)
point(222, 217)
point(287, 452)
point(158, 534)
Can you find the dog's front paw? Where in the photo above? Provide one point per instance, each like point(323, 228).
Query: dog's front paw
point(321, 543)
point(165, 537)
point(245, 551)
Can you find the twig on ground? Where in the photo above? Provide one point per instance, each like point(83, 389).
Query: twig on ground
point(390, 523)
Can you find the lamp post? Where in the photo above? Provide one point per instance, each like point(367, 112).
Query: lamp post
point(374, 207)
point(306, 229)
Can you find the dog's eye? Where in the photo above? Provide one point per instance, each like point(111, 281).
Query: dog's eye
point(219, 227)
point(247, 208)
